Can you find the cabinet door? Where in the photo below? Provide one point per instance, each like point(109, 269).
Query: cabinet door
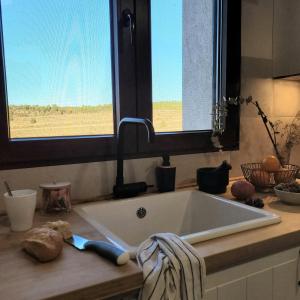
point(234, 290)
point(286, 39)
point(285, 281)
point(260, 285)
point(211, 294)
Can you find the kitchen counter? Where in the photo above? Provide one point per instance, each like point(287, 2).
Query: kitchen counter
point(73, 275)
point(83, 275)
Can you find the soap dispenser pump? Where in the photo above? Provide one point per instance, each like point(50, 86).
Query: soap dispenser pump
point(165, 175)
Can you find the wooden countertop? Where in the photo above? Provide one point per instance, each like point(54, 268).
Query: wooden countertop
point(83, 275)
point(73, 275)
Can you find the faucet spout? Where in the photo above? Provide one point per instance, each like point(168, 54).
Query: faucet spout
point(128, 190)
point(138, 121)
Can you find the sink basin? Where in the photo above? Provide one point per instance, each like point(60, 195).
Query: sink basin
point(193, 215)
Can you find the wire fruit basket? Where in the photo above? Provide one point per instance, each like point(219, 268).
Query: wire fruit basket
point(263, 180)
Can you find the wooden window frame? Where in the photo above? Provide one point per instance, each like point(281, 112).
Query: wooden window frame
point(131, 72)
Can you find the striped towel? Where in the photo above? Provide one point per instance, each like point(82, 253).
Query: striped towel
point(172, 268)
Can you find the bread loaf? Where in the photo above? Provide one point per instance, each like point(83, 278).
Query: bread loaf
point(44, 244)
point(62, 227)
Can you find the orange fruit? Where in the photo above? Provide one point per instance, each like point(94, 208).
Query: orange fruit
point(271, 164)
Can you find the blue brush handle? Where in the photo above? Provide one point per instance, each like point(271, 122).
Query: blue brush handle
point(109, 251)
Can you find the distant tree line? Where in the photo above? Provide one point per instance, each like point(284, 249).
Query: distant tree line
point(53, 109)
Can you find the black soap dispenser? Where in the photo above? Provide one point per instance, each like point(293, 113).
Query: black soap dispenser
point(165, 175)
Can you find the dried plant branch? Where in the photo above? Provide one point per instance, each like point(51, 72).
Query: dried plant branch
point(289, 133)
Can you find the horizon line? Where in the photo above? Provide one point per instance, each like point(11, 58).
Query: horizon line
point(83, 105)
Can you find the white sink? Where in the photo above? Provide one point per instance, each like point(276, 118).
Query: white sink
point(193, 215)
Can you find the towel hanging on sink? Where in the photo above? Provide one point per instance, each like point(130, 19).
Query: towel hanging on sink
point(172, 269)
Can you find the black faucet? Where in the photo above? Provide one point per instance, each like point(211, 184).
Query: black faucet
point(122, 190)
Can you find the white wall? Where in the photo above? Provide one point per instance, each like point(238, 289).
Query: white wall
point(93, 179)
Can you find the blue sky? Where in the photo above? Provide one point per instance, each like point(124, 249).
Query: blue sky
point(58, 52)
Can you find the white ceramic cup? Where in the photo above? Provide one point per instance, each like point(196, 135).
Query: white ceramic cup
point(20, 209)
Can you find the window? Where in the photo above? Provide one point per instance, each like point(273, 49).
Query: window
point(182, 48)
point(58, 67)
point(166, 57)
point(70, 70)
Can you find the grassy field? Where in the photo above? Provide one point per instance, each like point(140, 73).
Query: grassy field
point(52, 120)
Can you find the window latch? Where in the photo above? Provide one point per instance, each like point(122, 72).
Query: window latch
point(128, 22)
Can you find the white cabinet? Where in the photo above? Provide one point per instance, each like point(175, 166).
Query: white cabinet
point(285, 283)
point(211, 294)
point(260, 285)
point(234, 290)
point(286, 38)
point(273, 277)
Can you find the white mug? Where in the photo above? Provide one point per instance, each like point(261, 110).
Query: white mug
point(20, 209)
